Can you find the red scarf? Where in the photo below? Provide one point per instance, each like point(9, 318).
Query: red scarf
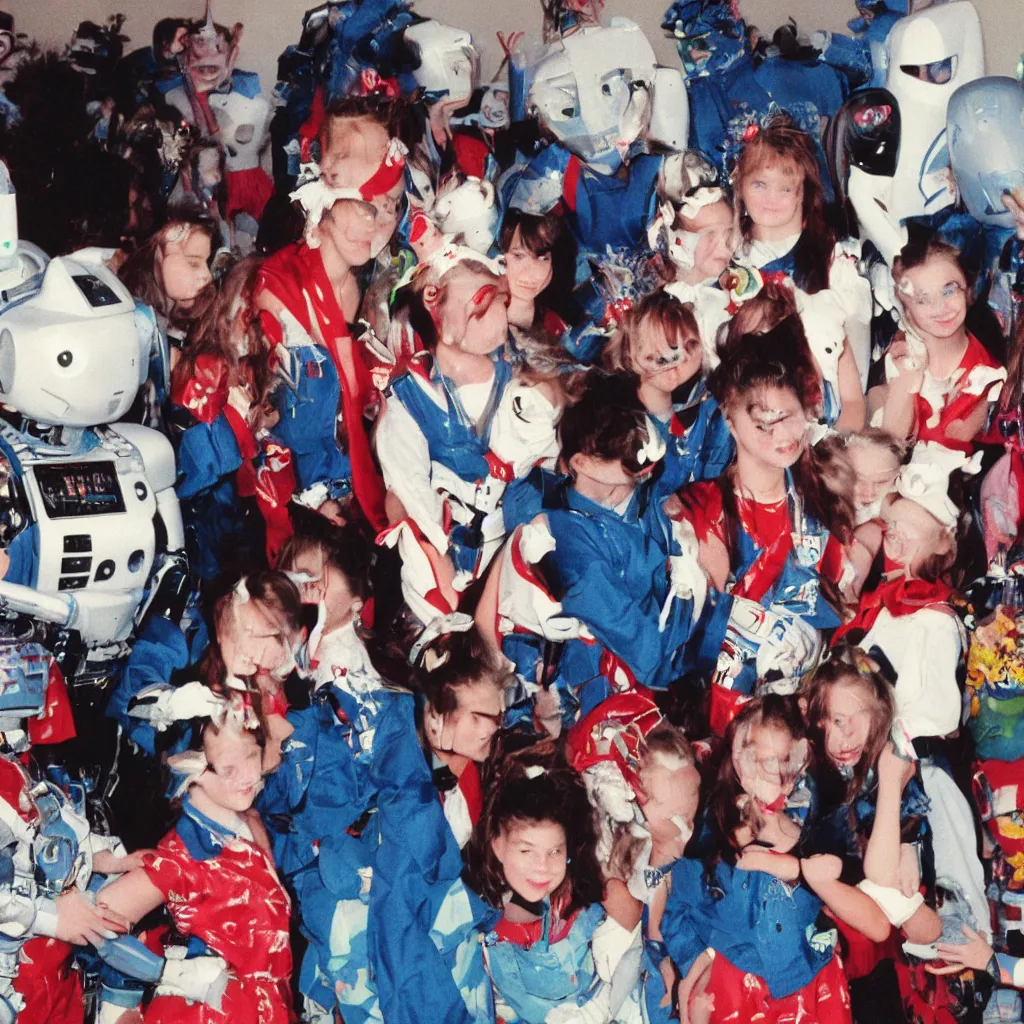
point(291, 275)
point(901, 596)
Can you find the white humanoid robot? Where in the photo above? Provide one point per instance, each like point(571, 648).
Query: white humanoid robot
point(89, 521)
point(929, 56)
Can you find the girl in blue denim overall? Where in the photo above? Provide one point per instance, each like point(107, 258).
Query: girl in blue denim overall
point(554, 953)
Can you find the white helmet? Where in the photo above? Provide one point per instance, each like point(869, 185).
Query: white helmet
point(71, 354)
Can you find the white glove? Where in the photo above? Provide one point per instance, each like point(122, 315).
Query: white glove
point(687, 576)
point(609, 944)
point(162, 705)
point(203, 979)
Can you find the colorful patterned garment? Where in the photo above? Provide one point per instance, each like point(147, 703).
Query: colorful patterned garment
point(222, 888)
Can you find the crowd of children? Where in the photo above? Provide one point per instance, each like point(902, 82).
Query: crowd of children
point(590, 622)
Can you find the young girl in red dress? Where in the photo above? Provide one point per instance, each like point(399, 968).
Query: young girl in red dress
point(214, 873)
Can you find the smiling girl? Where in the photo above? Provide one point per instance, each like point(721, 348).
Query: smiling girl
point(555, 949)
point(780, 209)
point(215, 874)
point(743, 921)
point(942, 384)
point(770, 528)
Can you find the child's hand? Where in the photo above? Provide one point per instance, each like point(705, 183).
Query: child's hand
point(975, 954)
point(910, 365)
point(893, 768)
point(107, 863)
point(821, 869)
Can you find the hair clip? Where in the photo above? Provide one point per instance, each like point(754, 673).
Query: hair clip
point(535, 771)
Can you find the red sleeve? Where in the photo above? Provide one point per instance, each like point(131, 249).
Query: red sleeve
point(830, 565)
point(702, 507)
point(169, 866)
point(56, 724)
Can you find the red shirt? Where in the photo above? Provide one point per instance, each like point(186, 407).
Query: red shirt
point(959, 403)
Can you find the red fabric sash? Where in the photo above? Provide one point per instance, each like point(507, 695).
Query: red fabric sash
point(901, 596)
point(291, 275)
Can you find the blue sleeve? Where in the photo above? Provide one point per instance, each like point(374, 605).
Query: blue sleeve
point(680, 923)
point(207, 452)
point(619, 600)
point(416, 864)
point(160, 650)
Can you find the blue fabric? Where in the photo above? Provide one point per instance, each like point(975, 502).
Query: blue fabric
point(160, 650)
point(614, 211)
point(531, 982)
point(706, 447)
point(757, 922)
point(203, 837)
point(356, 760)
point(308, 403)
point(451, 436)
point(611, 572)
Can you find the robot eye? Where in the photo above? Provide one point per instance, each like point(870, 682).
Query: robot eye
point(64, 358)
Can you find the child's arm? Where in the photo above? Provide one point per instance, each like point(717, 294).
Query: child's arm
point(882, 856)
point(850, 393)
point(821, 873)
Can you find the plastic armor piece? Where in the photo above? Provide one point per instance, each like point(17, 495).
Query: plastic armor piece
point(930, 55)
point(985, 125)
point(81, 497)
point(449, 63)
point(593, 92)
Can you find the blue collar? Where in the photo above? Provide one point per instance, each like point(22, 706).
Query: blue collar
point(203, 837)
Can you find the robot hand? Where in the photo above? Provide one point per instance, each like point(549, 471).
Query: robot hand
point(162, 705)
point(203, 979)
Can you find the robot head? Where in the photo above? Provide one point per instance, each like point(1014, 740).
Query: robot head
point(594, 91)
point(449, 64)
point(985, 130)
point(865, 133)
point(71, 354)
point(930, 55)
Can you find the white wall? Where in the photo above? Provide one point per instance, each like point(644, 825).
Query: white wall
point(270, 25)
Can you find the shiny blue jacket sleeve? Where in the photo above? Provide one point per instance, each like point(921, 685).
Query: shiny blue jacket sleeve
point(416, 864)
point(207, 452)
point(160, 650)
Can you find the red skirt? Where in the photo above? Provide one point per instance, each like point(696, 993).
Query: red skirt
point(739, 996)
point(51, 989)
point(248, 192)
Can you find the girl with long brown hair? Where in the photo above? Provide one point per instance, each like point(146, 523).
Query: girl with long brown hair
point(780, 212)
point(741, 921)
point(771, 527)
point(533, 857)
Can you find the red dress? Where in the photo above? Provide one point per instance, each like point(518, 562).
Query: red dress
point(234, 902)
point(973, 388)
